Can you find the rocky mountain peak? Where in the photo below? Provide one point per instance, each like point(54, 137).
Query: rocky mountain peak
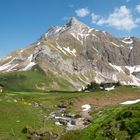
point(75, 22)
point(57, 30)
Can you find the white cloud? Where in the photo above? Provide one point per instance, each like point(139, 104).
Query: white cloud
point(138, 8)
point(138, 20)
point(95, 18)
point(121, 19)
point(127, 0)
point(66, 18)
point(82, 12)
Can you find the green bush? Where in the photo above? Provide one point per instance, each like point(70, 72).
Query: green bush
point(93, 86)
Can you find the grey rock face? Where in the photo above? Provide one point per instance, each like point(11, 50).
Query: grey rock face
point(80, 54)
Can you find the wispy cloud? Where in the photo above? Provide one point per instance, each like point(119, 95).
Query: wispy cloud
point(121, 19)
point(127, 0)
point(138, 8)
point(66, 18)
point(95, 17)
point(82, 12)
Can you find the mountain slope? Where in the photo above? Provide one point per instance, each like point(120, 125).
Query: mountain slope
point(79, 54)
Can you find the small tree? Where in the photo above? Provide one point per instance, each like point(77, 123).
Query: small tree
point(93, 86)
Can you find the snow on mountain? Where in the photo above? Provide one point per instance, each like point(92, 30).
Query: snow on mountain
point(80, 54)
point(7, 65)
point(54, 31)
point(30, 63)
point(127, 40)
point(133, 69)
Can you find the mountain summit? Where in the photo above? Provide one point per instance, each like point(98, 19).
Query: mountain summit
point(73, 21)
point(74, 55)
point(73, 24)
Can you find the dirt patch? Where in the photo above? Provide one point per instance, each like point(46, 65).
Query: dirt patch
point(99, 101)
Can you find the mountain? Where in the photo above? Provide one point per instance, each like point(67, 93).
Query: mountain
point(72, 56)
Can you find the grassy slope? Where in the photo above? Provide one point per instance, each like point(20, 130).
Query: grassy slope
point(32, 80)
point(12, 112)
point(121, 122)
point(14, 116)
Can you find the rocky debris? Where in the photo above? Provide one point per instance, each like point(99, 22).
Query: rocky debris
point(64, 120)
point(65, 104)
point(86, 116)
point(72, 115)
point(70, 121)
point(37, 104)
point(33, 134)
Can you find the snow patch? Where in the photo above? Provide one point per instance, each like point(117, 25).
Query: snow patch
point(80, 36)
point(122, 45)
point(76, 37)
point(130, 102)
point(86, 107)
point(104, 32)
point(54, 31)
point(73, 52)
point(118, 68)
point(7, 65)
point(90, 30)
point(10, 69)
point(133, 69)
point(97, 30)
point(30, 64)
point(60, 48)
point(127, 40)
point(136, 81)
point(38, 43)
point(66, 50)
point(131, 47)
point(110, 88)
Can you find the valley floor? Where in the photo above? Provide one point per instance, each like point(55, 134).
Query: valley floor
point(26, 115)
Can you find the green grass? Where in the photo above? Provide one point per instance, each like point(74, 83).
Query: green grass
point(33, 80)
point(14, 116)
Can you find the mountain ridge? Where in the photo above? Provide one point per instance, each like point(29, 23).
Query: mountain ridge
point(80, 54)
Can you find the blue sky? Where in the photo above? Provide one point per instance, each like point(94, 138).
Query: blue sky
point(22, 22)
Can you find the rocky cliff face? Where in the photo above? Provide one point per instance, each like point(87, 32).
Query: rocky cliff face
point(80, 54)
